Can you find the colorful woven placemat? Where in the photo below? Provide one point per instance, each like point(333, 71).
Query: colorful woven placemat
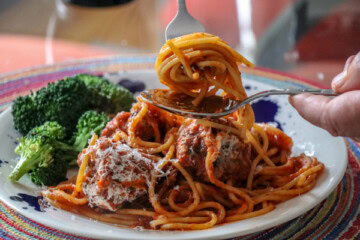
point(337, 217)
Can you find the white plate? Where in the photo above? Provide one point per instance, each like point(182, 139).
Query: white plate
point(331, 151)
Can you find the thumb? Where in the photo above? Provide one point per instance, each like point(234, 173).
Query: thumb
point(339, 116)
point(349, 79)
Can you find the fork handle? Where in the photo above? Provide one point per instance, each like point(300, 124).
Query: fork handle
point(182, 6)
point(289, 91)
point(325, 92)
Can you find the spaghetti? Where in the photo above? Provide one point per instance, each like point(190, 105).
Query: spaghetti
point(155, 170)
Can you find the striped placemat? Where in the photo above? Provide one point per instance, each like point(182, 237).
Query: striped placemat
point(337, 217)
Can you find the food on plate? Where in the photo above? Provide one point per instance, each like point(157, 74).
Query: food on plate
point(151, 169)
point(44, 152)
point(105, 96)
point(47, 155)
point(57, 131)
point(51, 103)
point(66, 100)
point(89, 123)
point(155, 170)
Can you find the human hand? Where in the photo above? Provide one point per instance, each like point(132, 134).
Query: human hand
point(340, 116)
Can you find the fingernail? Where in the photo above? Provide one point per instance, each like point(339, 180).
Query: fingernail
point(338, 81)
point(348, 62)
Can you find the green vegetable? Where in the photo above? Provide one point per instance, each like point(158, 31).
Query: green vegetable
point(50, 175)
point(90, 122)
point(64, 102)
point(24, 111)
point(44, 152)
point(56, 113)
point(49, 129)
point(105, 96)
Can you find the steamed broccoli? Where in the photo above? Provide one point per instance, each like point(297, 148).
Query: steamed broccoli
point(106, 96)
point(64, 102)
point(49, 129)
point(51, 174)
point(44, 154)
point(90, 122)
point(24, 111)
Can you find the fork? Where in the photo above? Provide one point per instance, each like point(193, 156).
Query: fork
point(183, 23)
point(189, 110)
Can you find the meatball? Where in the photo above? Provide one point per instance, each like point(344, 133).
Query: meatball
point(115, 174)
point(192, 147)
point(234, 159)
point(232, 162)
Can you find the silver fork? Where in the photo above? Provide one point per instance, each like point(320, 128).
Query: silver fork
point(189, 110)
point(183, 23)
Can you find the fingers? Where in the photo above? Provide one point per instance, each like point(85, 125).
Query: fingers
point(311, 107)
point(339, 116)
point(349, 79)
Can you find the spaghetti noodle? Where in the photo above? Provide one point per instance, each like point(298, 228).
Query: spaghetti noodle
point(152, 169)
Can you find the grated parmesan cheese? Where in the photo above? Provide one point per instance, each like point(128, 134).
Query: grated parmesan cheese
point(114, 163)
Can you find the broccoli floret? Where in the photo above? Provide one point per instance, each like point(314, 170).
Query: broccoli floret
point(24, 111)
point(106, 96)
point(50, 175)
point(43, 152)
point(33, 151)
point(90, 122)
point(49, 129)
point(64, 102)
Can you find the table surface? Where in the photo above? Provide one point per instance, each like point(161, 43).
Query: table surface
point(311, 39)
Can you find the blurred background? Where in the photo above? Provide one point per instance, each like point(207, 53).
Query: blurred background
point(307, 38)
